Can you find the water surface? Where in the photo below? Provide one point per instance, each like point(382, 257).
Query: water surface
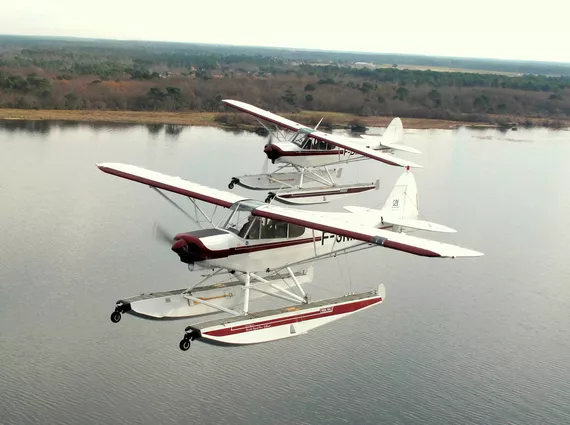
point(467, 341)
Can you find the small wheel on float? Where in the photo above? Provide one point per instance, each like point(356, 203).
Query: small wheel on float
point(184, 344)
point(115, 317)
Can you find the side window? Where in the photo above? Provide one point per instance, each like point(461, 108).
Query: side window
point(280, 229)
point(267, 228)
point(295, 231)
point(250, 229)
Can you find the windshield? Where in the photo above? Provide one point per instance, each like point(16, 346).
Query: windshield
point(301, 137)
point(239, 213)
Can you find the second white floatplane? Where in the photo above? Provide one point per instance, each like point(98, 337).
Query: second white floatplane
point(271, 325)
point(305, 156)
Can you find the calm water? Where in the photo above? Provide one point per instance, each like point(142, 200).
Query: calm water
point(471, 341)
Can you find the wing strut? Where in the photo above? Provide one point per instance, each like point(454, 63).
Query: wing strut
point(178, 207)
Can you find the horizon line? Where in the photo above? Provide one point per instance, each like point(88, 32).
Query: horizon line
point(368, 53)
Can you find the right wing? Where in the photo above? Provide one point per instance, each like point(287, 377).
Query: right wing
point(171, 184)
point(351, 226)
point(362, 150)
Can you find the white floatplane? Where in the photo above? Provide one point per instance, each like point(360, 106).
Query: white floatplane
point(259, 245)
point(305, 155)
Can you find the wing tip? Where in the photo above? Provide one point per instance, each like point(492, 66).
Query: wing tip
point(413, 165)
point(467, 253)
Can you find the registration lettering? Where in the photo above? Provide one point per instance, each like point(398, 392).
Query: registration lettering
point(336, 238)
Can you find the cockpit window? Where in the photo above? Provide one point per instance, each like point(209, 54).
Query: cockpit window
point(301, 138)
point(266, 228)
point(238, 214)
point(305, 141)
point(241, 222)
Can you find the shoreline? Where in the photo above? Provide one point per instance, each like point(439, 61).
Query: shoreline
point(193, 118)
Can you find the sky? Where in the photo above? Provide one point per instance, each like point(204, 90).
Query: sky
point(503, 29)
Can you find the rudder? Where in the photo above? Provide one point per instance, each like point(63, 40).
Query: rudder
point(403, 201)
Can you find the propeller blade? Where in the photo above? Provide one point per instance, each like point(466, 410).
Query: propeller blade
point(162, 235)
point(317, 126)
point(265, 168)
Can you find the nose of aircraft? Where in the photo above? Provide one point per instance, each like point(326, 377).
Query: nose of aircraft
point(185, 251)
point(271, 152)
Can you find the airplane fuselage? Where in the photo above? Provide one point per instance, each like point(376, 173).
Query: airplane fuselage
point(291, 153)
point(222, 248)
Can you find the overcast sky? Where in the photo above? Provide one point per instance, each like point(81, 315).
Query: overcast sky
point(484, 28)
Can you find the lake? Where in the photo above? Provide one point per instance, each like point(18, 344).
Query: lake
point(467, 341)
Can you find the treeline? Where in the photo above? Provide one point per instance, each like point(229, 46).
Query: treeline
point(178, 54)
point(284, 93)
point(406, 77)
point(116, 75)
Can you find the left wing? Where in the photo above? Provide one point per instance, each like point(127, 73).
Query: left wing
point(351, 227)
point(320, 135)
point(265, 115)
point(171, 184)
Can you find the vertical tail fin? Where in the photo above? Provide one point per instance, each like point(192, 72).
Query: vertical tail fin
point(403, 201)
point(394, 132)
point(401, 209)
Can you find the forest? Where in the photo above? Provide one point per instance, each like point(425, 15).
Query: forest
point(58, 73)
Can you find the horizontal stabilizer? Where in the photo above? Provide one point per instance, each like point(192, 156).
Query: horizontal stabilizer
point(419, 225)
point(400, 147)
point(389, 145)
point(404, 222)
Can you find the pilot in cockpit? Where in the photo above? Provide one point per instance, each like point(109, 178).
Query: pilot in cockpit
point(253, 230)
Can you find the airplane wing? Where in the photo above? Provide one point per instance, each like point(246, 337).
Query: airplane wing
point(351, 227)
point(319, 135)
point(265, 115)
point(171, 184)
point(361, 150)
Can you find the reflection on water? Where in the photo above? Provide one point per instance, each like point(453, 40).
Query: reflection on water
point(481, 341)
point(27, 126)
point(45, 126)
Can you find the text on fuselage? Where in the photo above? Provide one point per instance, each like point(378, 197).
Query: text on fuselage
point(336, 238)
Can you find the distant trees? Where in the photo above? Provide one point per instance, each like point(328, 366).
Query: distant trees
point(402, 93)
point(290, 96)
point(174, 77)
point(435, 97)
point(32, 83)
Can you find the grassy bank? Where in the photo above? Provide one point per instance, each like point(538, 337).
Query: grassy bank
point(216, 119)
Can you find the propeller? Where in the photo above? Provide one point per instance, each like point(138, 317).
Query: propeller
point(162, 235)
point(264, 168)
point(317, 126)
